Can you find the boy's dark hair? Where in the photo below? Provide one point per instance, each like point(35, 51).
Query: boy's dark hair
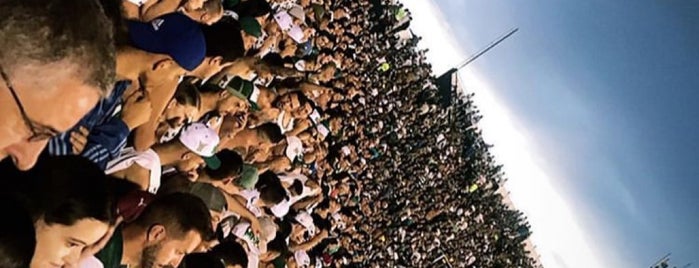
point(71, 188)
point(17, 237)
point(231, 166)
point(187, 94)
point(270, 131)
point(271, 189)
point(252, 8)
point(230, 253)
point(201, 260)
point(297, 187)
point(223, 39)
point(179, 213)
point(37, 30)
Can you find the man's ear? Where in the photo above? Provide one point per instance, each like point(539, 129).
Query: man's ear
point(223, 94)
point(156, 233)
point(171, 104)
point(162, 64)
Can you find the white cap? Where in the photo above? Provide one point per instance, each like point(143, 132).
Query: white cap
point(294, 148)
point(200, 139)
point(306, 220)
point(302, 258)
point(280, 210)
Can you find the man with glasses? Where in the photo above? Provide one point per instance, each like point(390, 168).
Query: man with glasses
point(53, 71)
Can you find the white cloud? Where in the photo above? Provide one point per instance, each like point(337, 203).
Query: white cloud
point(557, 233)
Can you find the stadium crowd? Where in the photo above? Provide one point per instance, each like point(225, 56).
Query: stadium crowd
point(238, 133)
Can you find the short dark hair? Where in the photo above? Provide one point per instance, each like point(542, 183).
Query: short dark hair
point(17, 236)
point(197, 260)
point(224, 39)
point(69, 189)
point(252, 8)
point(179, 213)
point(187, 94)
point(230, 253)
point(231, 165)
point(297, 187)
point(270, 131)
point(38, 30)
point(270, 187)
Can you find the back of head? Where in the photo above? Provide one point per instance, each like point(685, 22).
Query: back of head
point(271, 189)
point(201, 260)
point(252, 8)
point(17, 238)
point(271, 132)
point(231, 165)
point(179, 213)
point(70, 188)
point(223, 39)
point(38, 31)
point(230, 253)
point(187, 94)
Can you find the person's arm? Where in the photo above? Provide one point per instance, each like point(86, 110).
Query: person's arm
point(307, 202)
point(105, 141)
point(237, 207)
point(153, 9)
point(310, 243)
point(144, 135)
point(300, 126)
point(136, 174)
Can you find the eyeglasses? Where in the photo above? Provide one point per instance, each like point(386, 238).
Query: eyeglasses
point(39, 131)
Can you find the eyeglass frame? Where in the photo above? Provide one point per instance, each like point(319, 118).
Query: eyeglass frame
point(39, 131)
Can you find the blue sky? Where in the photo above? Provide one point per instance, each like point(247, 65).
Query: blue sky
point(604, 96)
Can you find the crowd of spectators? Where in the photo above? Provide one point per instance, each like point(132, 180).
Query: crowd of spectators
point(238, 133)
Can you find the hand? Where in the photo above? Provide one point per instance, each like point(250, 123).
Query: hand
point(256, 228)
point(137, 109)
point(78, 139)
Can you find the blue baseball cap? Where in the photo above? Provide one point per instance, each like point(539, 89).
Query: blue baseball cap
point(173, 34)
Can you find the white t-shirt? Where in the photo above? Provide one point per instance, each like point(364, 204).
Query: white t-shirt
point(138, 2)
point(148, 160)
point(90, 262)
point(251, 197)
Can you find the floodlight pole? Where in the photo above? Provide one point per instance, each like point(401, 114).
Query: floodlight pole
point(487, 48)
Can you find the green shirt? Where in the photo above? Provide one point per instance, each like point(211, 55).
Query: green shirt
point(111, 254)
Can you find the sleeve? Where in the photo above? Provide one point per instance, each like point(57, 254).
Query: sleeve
point(106, 141)
point(60, 145)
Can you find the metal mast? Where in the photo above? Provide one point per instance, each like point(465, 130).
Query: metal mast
point(490, 46)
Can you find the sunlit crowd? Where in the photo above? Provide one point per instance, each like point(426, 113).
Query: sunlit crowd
point(238, 133)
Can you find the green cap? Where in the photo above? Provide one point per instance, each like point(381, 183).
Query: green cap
point(212, 196)
point(248, 177)
point(212, 162)
point(243, 89)
point(251, 26)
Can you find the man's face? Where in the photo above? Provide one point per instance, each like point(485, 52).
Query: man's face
point(233, 123)
point(230, 104)
point(303, 111)
point(248, 40)
point(189, 164)
point(58, 245)
point(163, 71)
point(169, 252)
point(288, 102)
point(54, 95)
point(176, 114)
